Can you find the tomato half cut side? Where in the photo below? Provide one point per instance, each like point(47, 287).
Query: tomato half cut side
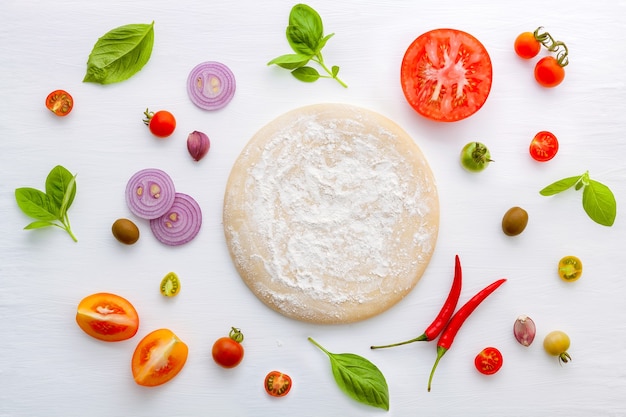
point(488, 361)
point(446, 75)
point(158, 358)
point(544, 146)
point(570, 268)
point(107, 317)
point(60, 102)
point(277, 384)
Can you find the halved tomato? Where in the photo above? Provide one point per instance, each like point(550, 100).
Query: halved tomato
point(446, 75)
point(277, 384)
point(107, 317)
point(158, 357)
point(60, 102)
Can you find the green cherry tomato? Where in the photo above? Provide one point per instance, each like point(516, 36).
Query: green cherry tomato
point(475, 157)
point(170, 285)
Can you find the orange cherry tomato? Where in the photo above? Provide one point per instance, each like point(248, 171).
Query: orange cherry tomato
point(544, 146)
point(548, 72)
point(488, 361)
point(277, 384)
point(158, 358)
point(526, 45)
point(161, 123)
point(570, 268)
point(107, 317)
point(60, 102)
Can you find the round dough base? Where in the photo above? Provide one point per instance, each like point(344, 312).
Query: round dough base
point(331, 214)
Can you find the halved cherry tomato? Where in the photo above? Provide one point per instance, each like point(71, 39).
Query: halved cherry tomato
point(227, 351)
point(526, 45)
point(488, 361)
point(170, 284)
point(158, 358)
point(570, 268)
point(446, 75)
point(107, 317)
point(277, 384)
point(544, 146)
point(60, 102)
point(161, 123)
point(548, 72)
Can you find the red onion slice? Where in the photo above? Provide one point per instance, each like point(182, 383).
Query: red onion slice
point(180, 224)
point(211, 85)
point(150, 193)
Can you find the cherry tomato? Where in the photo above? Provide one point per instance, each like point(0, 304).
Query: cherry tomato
point(158, 358)
point(228, 351)
point(446, 75)
point(161, 123)
point(277, 384)
point(544, 146)
point(526, 45)
point(570, 268)
point(488, 361)
point(475, 157)
point(556, 343)
point(170, 284)
point(107, 317)
point(60, 102)
point(548, 72)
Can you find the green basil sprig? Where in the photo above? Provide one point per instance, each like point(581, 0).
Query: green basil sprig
point(305, 35)
point(598, 200)
point(120, 53)
point(359, 378)
point(49, 208)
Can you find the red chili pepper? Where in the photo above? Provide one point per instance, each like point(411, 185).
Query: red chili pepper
point(444, 315)
point(447, 337)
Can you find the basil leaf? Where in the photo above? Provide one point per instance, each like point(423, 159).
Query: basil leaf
point(358, 378)
point(305, 30)
point(36, 204)
point(290, 61)
point(120, 53)
point(335, 70)
point(306, 74)
point(58, 188)
point(39, 224)
point(560, 186)
point(599, 203)
point(322, 42)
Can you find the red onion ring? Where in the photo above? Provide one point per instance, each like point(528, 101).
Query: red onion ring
point(180, 224)
point(150, 193)
point(211, 85)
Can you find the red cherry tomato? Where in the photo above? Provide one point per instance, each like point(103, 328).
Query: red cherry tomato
point(446, 75)
point(107, 317)
point(526, 45)
point(161, 123)
point(544, 146)
point(158, 358)
point(548, 72)
point(60, 102)
point(488, 361)
point(228, 351)
point(277, 384)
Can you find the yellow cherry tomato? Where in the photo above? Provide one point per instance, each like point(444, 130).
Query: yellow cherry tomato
point(170, 285)
point(570, 268)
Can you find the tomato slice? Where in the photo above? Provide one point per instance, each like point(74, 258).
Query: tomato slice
point(107, 317)
point(158, 358)
point(170, 284)
point(488, 361)
point(446, 75)
point(570, 268)
point(544, 146)
point(60, 102)
point(277, 384)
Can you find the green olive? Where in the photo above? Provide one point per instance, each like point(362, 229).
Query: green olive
point(125, 231)
point(514, 221)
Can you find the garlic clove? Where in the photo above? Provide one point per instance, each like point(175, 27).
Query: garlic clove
point(524, 330)
point(198, 145)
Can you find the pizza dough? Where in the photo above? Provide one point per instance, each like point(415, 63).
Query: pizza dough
point(331, 214)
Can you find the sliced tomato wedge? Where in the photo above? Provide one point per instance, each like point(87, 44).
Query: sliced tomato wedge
point(446, 75)
point(158, 358)
point(107, 317)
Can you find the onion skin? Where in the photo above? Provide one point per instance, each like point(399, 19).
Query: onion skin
point(198, 145)
point(524, 330)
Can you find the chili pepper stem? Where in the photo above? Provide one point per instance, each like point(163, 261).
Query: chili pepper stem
point(420, 338)
point(440, 352)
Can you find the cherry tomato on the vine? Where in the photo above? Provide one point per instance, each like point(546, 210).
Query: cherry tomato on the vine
point(107, 317)
point(570, 268)
point(161, 123)
point(277, 384)
point(228, 351)
point(526, 45)
point(544, 146)
point(488, 361)
point(548, 72)
point(158, 358)
point(60, 102)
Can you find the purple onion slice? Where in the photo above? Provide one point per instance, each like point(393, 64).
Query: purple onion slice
point(150, 193)
point(211, 85)
point(180, 224)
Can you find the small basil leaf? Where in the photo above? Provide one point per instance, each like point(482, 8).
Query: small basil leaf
point(560, 186)
point(335, 70)
point(120, 53)
point(599, 203)
point(322, 43)
point(36, 204)
point(57, 187)
point(306, 74)
point(290, 61)
point(39, 224)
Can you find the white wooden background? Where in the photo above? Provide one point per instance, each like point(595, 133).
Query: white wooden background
point(49, 367)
